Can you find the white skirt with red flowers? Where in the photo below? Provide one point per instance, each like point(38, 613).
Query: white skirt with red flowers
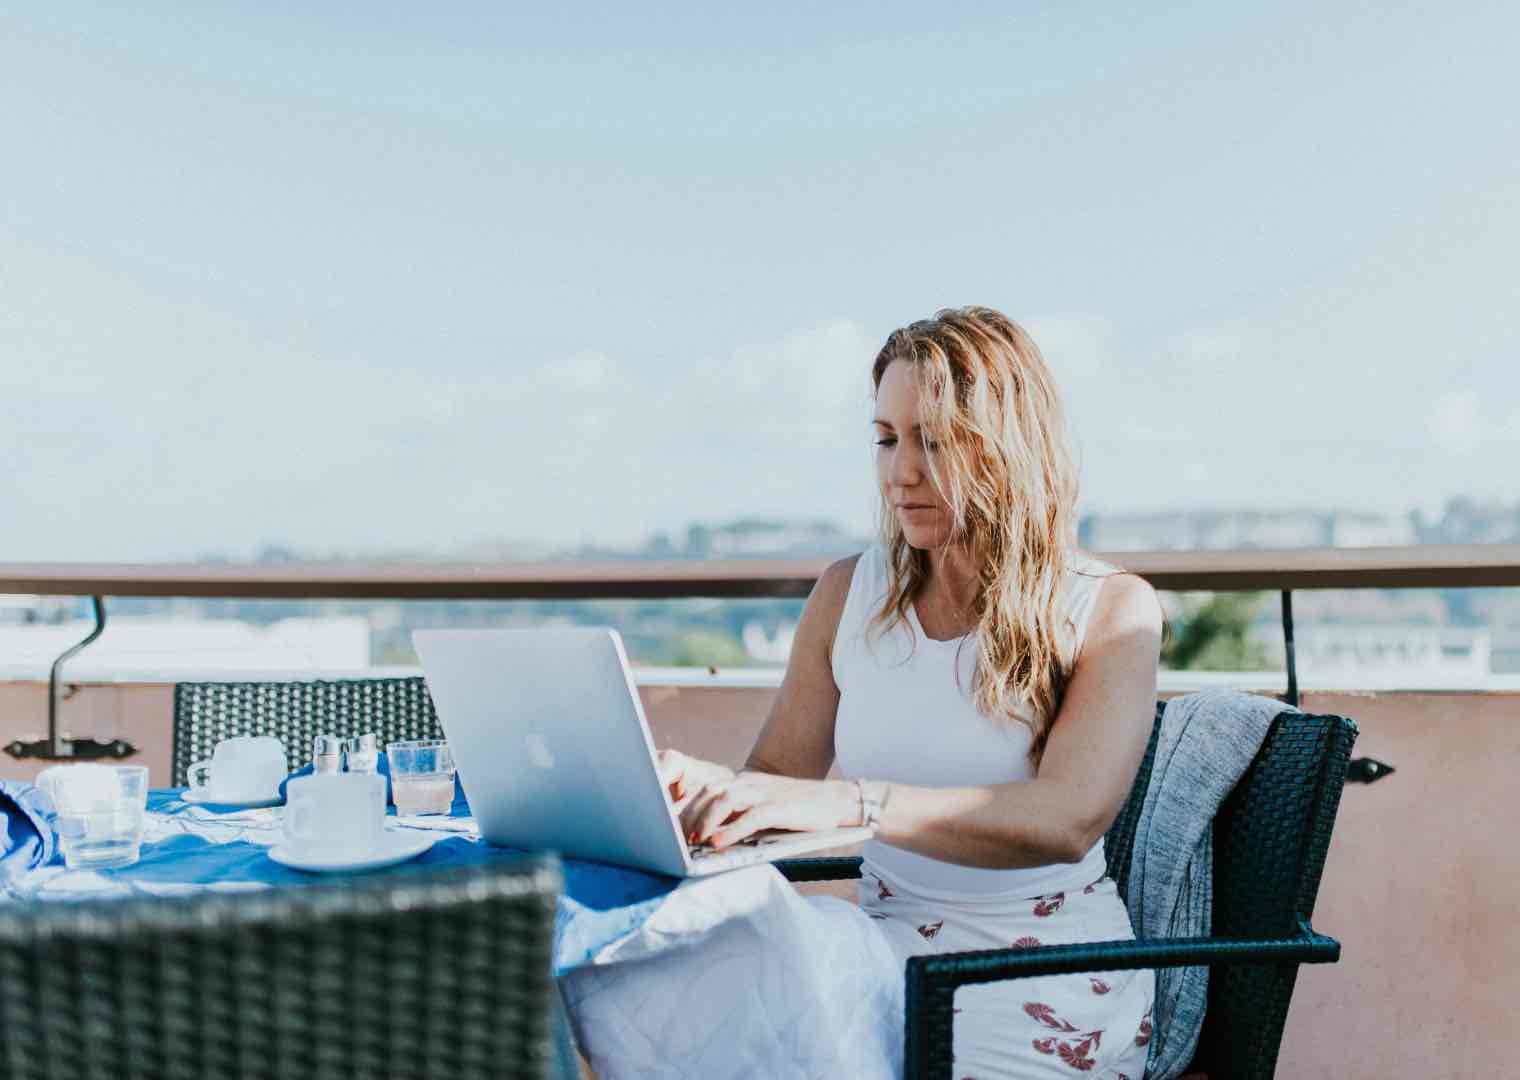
point(737, 976)
point(1095, 1025)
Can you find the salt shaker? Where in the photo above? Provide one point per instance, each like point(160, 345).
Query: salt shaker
point(363, 753)
point(326, 754)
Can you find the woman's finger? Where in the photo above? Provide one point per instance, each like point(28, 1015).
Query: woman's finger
point(697, 801)
point(746, 823)
point(676, 787)
point(672, 766)
point(716, 813)
point(712, 814)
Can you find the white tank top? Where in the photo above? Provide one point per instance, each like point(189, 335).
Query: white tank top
point(906, 715)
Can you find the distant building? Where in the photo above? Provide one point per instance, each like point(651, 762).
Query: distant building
point(1372, 530)
point(1474, 521)
point(1242, 529)
point(138, 645)
point(1409, 657)
point(24, 610)
point(759, 538)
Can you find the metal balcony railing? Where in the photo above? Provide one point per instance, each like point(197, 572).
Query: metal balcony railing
point(1283, 571)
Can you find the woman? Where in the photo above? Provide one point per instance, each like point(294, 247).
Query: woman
point(988, 693)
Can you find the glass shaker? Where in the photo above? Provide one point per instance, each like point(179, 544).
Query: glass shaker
point(363, 753)
point(326, 754)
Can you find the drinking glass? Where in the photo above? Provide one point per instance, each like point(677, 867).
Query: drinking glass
point(100, 812)
point(422, 776)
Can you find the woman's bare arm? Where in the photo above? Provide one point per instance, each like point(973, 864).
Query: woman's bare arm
point(798, 737)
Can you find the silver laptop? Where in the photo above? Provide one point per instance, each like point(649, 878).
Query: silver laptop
point(553, 752)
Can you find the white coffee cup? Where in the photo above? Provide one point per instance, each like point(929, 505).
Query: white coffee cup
point(336, 815)
point(244, 768)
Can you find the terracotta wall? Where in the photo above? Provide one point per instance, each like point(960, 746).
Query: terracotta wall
point(141, 713)
point(1422, 885)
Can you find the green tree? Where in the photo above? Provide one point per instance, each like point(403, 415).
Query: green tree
point(707, 648)
point(1214, 634)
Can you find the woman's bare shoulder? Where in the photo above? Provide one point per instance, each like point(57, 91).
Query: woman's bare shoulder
point(1126, 602)
point(834, 583)
point(825, 605)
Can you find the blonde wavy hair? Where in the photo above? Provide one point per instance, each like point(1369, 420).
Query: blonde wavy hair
point(986, 398)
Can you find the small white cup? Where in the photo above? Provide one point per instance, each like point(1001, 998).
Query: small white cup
point(244, 768)
point(336, 815)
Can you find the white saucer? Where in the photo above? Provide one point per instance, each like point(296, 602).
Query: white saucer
point(191, 796)
point(396, 846)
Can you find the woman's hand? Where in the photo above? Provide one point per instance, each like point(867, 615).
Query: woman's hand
point(726, 812)
point(685, 776)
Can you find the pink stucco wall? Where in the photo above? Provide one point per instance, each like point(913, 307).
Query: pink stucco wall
point(1422, 885)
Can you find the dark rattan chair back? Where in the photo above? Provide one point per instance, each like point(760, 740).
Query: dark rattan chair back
point(295, 712)
point(413, 972)
point(1119, 842)
point(1271, 838)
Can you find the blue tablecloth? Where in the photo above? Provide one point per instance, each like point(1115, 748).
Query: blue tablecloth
point(27, 837)
point(189, 848)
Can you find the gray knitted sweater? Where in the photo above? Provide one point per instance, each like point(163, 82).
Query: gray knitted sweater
point(1207, 742)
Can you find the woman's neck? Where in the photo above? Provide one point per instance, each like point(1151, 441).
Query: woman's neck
point(953, 575)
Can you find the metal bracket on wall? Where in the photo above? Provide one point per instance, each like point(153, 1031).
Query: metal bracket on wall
point(1366, 770)
point(55, 747)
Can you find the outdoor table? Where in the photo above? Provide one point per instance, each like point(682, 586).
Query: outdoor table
point(189, 848)
point(608, 920)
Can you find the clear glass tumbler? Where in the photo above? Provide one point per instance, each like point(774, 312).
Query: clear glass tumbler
point(422, 776)
point(100, 812)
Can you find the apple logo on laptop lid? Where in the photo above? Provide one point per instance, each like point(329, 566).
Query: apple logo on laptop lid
point(538, 749)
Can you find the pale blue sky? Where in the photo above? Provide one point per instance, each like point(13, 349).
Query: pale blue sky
point(423, 276)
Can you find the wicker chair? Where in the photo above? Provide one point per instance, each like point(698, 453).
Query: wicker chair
point(413, 973)
point(207, 712)
point(1270, 840)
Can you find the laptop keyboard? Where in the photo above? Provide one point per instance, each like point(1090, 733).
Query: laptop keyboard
point(703, 851)
point(771, 845)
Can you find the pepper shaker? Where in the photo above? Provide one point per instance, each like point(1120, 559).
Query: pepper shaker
point(363, 753)
point(326, 754)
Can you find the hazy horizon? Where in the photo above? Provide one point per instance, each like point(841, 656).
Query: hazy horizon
point(351, 279)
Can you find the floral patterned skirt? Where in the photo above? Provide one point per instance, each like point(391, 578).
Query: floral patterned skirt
point(1093, 1024)
point(738, 976)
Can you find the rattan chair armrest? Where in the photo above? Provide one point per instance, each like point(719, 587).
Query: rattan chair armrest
point(834, 869)
point(993, 965)
point(932, 980)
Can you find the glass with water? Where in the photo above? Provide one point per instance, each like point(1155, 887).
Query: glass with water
point(100, 812)
point(422, 776)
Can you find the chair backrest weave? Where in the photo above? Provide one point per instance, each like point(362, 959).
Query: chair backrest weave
point(295, 712)
point(1270, 839)
point(410, 972)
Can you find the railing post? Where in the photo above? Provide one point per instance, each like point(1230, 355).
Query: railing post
point(1287, 624)
point(55, 747)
